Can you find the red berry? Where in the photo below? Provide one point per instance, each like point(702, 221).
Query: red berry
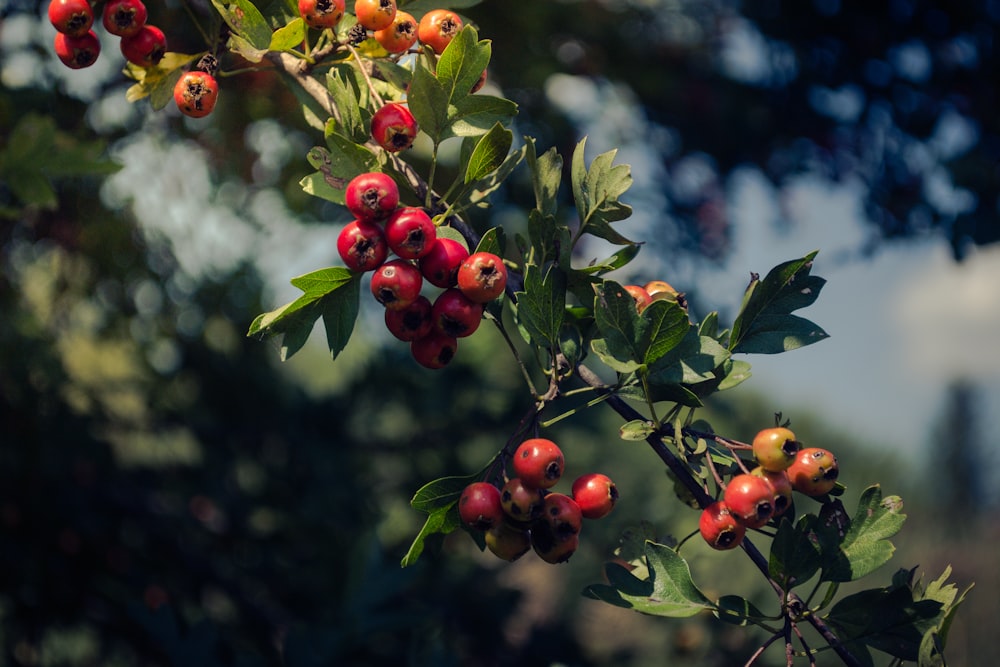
point(750, 499)
point(77, 52)
point(371, 196)
point(520, 501)
point(410, 232)
point(550, 549)
point(775, 448)
point(437, 28)
point(124, 17)
point(538, 462)
point(720, 528)
point(479, 506)
point(412, 322)
point(814, 472)
point(435, 350)
point(396, 284)
point(482, 277)
point(508, 542)
point(562, 515)
point(400, 35)
point(362, 246)
point(375, 14)
point(781, 485)
point(641, 296)
point(145, 47)
point(440, 265)
point(321, 14)
point(71, 17)
point(393, 127)
point(661, 289)
point(596, 494)
point(195, 93)
point(455, 315)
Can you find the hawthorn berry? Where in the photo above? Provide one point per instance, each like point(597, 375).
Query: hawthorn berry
point(720, 528)
point(482, 277)
point(393, 127)
point(775, 448)
point(440, 265)
point(508, 542)
point(782, 488)
point(551, 549)
point(396, 284)
point(595, 493)
point(814, 472)
point(371, 196)
point(661, 289)
point(124, 17)
point(400, 35)
point(641, 296)
point(437, 28)
point(412, 322)
point(72, 18)
point(145, 47)
point(538, 462)
point(77, 52)
point(410, 232)
point(362, 246)
point(321, 14)
point(195, 93)
point(561, 515)
point(435, 350)
point(750, 499)
point(455, 315)
point(375, 14)
point(479, 506)
point(520, 501)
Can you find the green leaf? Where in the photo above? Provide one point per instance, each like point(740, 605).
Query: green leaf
point(490, 152)
point(428, 102)
point(477, 192)
point(885, 619)
point(243, 17)
point(669, 590)
point(794, 558)
point(596, 191)
point(288, 37)
point(738, 611)
point(692, 360)
point(241, 45)
point(667, 324)
point(476, 114)
point(438, 499)
point(441, 521)
point(542, 305)
point(546, 176)
point(630, 339)
point(616, 261)
point(736, 372)
point(764, 324)
point(344, 93)
point(934, 641)
point(462, 63)
point(865, 546)
point(636, 430)
point(340, 311)
point(337, 166)
point(157, 82)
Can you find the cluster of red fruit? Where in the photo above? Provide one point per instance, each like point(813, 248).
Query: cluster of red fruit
point(468, 281)
point(752, 499)
point(396, 31)
point(525, 514)
point(77, 45)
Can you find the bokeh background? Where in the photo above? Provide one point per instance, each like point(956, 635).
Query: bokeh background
point(172, 494)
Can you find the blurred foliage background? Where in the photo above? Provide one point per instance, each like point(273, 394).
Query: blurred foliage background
point(170, 494)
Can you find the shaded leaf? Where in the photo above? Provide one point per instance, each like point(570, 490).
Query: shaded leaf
point(596, 191)
point(542, 305)
point(865, 546)
point(546, 176)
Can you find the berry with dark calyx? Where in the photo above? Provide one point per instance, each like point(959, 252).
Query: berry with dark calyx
point(362, 246)
point(782, 488)
point(145, 47)
point(538, 462)
point(393, 127)
point(437, 28)
point(508, 542)
point(520, 501)
point(72, 18)
point(550, 549)
point(195, 94)
point(814, 472)
point(321, 14)
point(375, 14)
point(77, 52)
point(775, 448)
point(750, 499)
point(641, 296)
point(410, 232)
point(396, 284)
point(455, 315)
point(596, 494)
point(440, 265)
point(371, 196)
point(400, 35)
point(124, 17)
point(357, 35)
point(720, 528)
point(482, 277)
point(435, 350)
point(562, 515)
point(479, 506)
point(412, 322)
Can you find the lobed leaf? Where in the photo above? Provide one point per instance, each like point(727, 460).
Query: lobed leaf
point(246, 21)
point(546, 176)
point(541, 306)
point(489, 154)
point(596, 192)
point(865, 546)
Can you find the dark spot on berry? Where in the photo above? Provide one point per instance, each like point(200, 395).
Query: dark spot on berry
point(449, 27)
point(553, 470)
point(790, 447)
point(415, 240)
point(781, 503)
point(451, 326)
point(725, 538)
point(764, 509)
point(831, 474)
point(124, 17)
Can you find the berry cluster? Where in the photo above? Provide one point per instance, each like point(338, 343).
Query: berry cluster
point(77, 46)
point(752, 499)
point(468, 282)
point(524, 514)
